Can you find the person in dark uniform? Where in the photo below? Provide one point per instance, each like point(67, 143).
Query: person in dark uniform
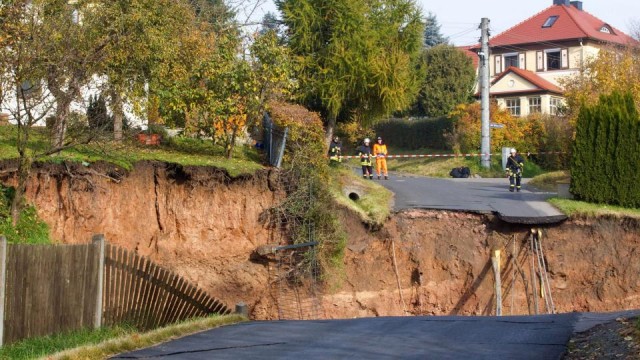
point(365, 154)
point(335, 151)
point(515, 166)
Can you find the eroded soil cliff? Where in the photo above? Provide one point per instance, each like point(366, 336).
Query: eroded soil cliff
point(206, 226)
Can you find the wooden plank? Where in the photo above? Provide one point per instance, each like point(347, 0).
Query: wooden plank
point(163, 293)
point(167, 298)
point(153, 301)
point(107, 310)
point(127, 275)
point(132, 269)
point(144, 291)
point(178, 304)
point(139, 265)
point(120, 289)
point(148, 289)
point(187, 306)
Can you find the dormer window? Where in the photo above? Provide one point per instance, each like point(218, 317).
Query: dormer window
point(606, 29)
point(550, 21)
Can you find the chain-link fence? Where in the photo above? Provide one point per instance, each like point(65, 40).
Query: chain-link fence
point(275, 139)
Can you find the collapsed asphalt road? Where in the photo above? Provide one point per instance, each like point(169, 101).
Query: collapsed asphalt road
point(478, 195)
point(423, 337)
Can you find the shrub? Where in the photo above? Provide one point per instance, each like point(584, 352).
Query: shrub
point(606, 152)
point(308, 203)
point(97, 114)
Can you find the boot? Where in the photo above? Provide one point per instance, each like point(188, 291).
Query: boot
point(386, 177)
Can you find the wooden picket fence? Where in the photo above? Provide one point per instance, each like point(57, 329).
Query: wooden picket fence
point(140, 293)
point(48, 289)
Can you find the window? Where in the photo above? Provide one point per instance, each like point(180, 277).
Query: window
point(553, 60)
point(511, 60)
point(550, 21)
point(556, 105)
point(513, 105)
point(606, 29)
point(535, 105)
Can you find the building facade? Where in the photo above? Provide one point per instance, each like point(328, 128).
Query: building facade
point(527, 61)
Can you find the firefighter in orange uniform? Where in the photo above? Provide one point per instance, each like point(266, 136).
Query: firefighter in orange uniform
point(380, 153)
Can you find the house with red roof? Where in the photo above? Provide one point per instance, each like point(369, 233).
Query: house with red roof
point(527, 60)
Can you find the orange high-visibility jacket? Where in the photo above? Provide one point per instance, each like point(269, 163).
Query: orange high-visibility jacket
point(379, 149)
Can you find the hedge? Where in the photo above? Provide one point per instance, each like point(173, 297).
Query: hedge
point(606, 152)
point(413, 134)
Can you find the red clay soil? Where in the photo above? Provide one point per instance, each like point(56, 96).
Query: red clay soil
point(206, 226)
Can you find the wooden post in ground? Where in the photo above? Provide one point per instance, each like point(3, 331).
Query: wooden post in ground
point(495, 261)
point(3, 283)
point(99, 241)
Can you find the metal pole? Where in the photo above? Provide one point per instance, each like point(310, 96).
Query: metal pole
point(485, 148)
point(534, 284)
point(3, 283)
point(99, 241)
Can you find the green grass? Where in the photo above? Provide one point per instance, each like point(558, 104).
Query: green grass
point(184, 151)
point(105, 342)
point(576, 208)
point(440, 167)
point(30, 228)
point(38, 347)
point(374, 203)
point(548, 181)
point(132, 341)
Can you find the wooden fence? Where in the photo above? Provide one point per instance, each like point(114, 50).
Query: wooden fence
point(142, 294)
point(47, 289)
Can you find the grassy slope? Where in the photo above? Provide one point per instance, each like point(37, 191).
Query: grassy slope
point(580, 208)
point(181, 151)
point(374, 205)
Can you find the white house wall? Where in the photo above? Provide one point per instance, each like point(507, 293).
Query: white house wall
point(94, 88)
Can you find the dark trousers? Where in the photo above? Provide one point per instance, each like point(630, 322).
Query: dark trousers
point(514, 180)
point(367, 170)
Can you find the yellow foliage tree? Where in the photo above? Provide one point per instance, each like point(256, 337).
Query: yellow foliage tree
point(465, 137)
point(612, 70)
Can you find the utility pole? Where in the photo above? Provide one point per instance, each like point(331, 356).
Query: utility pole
point(485, 147)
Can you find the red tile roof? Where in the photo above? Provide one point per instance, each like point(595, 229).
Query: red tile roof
point(471, 54)
point(531, 77)
point(572, 23)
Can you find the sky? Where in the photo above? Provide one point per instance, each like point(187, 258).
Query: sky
point(459, 19)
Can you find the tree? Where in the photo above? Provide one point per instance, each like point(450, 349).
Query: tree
point(449, 80)
point(28, 60)
point(605, 153)
point(432, 34)
point(612, 70)
point(356, 59)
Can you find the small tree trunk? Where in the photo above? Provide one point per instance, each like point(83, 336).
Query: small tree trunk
point(331, 127)
point(60, 125)
point(24, 169)
point(118, 115)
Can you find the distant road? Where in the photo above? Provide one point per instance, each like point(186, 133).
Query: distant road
point(473, 194)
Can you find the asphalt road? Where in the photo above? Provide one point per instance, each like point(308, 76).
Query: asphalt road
point(433, 337)
point(473, 194)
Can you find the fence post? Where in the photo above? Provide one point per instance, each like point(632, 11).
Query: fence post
point(282, 147)
point(3, 283)
point(99, 240)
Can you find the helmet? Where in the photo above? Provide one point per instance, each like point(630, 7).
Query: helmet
point(367, 140)
point(513, 151)
point(379, 138)
point(336, 138)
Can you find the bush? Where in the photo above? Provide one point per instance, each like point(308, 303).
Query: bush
point(30, 228)
point(97, 114)
point(308, 203)
point(607, 151)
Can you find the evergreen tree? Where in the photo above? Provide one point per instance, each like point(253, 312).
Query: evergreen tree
point(449, 79)
point(432, 34)
point(356, 58)
point(97, 114)
point(605, 155)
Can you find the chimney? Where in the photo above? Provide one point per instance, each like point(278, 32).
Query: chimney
point(561, 2)
point(577, 5)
